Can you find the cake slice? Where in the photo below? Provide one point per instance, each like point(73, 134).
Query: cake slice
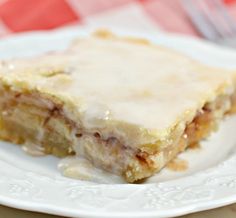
point(125, 105)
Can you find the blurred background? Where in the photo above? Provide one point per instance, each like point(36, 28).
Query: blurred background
point(214, 20)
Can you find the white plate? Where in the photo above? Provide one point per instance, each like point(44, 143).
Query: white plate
point(34, 183)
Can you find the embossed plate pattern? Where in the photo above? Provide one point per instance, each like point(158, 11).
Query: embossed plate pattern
point(34, 183)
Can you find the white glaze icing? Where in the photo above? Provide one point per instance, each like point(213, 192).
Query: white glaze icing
point(33, 149)
point(112, 83)
point(80, 168)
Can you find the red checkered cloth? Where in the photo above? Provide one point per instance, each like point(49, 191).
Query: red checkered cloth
point(144, 15)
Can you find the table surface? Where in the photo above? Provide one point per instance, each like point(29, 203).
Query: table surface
point(226, 212)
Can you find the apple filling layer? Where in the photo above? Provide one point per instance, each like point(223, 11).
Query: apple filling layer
point(42, 127)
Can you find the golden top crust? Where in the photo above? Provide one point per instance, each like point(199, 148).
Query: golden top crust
point(126, 87)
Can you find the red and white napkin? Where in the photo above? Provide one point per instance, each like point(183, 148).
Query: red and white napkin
point(138, 15)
